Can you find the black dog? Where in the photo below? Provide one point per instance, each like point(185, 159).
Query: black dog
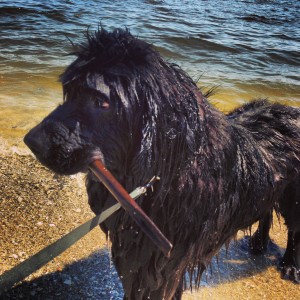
point(143, 117)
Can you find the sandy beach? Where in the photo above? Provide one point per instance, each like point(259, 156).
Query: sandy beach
point(37, 207)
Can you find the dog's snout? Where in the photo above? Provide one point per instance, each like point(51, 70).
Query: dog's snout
point(33, 139)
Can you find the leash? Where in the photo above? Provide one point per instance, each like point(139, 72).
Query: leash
point(33, 263)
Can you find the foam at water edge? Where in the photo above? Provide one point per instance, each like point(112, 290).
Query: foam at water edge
point(7, 149)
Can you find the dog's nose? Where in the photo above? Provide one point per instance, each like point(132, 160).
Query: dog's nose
point(34, 140)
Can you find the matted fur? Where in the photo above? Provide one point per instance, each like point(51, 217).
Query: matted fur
point(143, 117)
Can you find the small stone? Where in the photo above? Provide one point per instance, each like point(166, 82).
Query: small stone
point(68, 282)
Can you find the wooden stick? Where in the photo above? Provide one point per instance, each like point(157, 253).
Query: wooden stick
point(131, 207)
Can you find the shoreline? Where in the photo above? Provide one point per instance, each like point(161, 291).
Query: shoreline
point(23, 106)
point(37, 207)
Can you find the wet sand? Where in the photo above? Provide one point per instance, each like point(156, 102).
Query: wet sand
point(38, 207)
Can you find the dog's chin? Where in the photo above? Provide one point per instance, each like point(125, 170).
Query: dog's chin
point(70, 165)
point(64, 168)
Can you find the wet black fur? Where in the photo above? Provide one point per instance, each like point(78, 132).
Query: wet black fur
point(218, 173)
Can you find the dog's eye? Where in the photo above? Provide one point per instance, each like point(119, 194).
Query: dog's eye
point(101, 103)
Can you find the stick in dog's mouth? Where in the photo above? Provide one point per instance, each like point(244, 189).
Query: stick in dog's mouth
point(139, 216)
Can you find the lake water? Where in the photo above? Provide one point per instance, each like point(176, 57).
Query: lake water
point(248, 49)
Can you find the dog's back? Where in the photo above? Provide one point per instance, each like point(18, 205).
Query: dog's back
point(276, 130)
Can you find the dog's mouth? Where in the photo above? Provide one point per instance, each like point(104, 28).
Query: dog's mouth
point(61, 150)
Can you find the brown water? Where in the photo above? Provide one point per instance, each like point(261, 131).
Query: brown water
point(25, 101)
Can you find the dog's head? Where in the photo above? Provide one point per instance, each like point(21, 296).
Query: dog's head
point(122, 102)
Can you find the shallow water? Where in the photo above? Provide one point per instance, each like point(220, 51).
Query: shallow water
point(248, 48)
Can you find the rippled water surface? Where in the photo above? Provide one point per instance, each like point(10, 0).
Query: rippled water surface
point(247, 48)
